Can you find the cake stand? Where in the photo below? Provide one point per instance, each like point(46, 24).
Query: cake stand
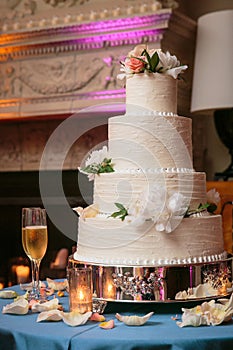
point(178, 282)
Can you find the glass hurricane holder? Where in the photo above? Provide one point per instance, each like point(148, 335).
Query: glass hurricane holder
point(34, 240)
point(80, 289)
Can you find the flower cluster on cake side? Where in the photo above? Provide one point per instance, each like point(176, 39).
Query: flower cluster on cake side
point(144, 60)
point(155, 204)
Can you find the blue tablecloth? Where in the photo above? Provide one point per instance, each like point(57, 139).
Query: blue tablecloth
point(160, 332)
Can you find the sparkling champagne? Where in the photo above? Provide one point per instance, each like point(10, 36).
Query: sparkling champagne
point(35, 240)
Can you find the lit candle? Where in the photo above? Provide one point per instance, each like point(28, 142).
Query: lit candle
point(22, 273)
point(80, 289)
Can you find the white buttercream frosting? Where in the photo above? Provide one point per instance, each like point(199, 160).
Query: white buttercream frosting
point(149, 145)
point(155, 91)
point(147, 141)
point(126, 187)
point(110, 241)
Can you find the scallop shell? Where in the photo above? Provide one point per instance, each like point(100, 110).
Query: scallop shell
point(18, 307)
point(134, 320)
point(74, 318)
point(51, 315)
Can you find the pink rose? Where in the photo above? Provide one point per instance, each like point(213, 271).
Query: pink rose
point(135, 65)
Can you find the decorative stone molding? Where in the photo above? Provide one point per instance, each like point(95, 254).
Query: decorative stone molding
point(72, 66)
point(31, 14)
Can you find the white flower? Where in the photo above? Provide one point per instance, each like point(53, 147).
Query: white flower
point(174, 72)
point(169, 64)
point(167, 61)
point(213, 196)
point(177, 204)
point(96, 157)
point(157, 205)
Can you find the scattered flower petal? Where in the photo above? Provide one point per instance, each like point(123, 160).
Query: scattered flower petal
point(18, 307)
point(51, 315)
point(46, 306)
point(74, 318)
point(57, 285)
point(8, 294)
point(134, 320)
point(210, 313)
point(107, 325)
point(97, 317)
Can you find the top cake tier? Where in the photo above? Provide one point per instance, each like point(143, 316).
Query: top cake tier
point(150, 135)
point(152, 92)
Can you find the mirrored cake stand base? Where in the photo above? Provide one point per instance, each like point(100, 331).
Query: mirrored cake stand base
point(160, 283)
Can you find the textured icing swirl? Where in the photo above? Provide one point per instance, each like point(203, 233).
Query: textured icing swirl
point(154, 91)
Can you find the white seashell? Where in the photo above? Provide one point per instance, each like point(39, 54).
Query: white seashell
point(74, 318)
point(51, 315)
point(18, 307)
point(134, 320)
point(47, 306)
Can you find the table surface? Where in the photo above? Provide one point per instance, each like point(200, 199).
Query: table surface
point(22, 332)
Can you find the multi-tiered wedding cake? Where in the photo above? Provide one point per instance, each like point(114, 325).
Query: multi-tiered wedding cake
point(150, 206)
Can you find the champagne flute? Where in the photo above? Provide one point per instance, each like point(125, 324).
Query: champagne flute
point(34, 241)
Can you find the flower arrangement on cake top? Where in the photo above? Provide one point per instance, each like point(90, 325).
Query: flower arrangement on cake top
point(143, 60)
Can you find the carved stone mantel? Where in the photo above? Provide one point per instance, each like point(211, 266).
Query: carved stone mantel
point(59, 57)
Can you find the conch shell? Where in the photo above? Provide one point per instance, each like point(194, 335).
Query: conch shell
point(51, 315)
point(74, 318)
point(18, 307)
point(134, 320)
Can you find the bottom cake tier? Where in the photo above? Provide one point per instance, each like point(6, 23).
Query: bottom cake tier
point(160, 283)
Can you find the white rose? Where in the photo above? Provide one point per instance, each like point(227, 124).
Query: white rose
point(213, 196)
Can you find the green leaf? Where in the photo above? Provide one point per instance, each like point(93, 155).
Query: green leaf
point(122, 213)
point(120, 206)
point(147, 57)
point(154, 61)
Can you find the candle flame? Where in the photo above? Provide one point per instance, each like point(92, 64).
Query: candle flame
point(81, 295)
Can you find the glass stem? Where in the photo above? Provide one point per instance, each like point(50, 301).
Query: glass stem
point(36, 278)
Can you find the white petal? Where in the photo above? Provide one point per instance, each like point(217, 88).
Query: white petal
point(18, 307)
point(52, 315)
point(48, 305)
point(134, 320)
point(75, 319)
